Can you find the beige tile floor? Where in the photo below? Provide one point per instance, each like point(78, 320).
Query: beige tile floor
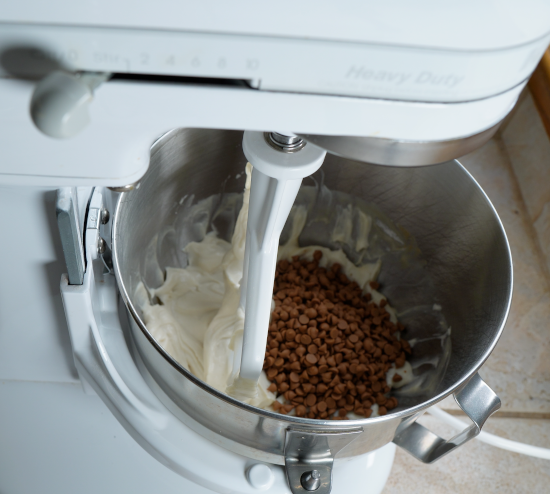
point(529, 150)
point(477, 468)
point(514, 170)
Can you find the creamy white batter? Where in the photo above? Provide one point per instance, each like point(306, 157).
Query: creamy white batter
point(199, 318)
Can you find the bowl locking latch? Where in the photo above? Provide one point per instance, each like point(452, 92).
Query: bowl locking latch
point(309, 458)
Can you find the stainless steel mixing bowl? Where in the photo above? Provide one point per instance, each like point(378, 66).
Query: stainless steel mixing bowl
point(464, 265)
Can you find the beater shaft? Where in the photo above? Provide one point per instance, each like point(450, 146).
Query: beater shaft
point(280, 163)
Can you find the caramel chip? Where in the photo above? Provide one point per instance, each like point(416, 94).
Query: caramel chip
point(303, 319)
point(311, 358)
point(271, 373)
point(306, 339)
point(295, 378)
point(311, 313)
point(311, 399)
point(342, 324)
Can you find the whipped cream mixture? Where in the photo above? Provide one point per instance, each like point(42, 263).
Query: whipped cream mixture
point(198, 319)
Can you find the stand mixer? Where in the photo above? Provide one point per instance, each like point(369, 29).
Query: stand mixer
point(102, 92)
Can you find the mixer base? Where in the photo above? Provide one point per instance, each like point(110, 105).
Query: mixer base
point(69, 442)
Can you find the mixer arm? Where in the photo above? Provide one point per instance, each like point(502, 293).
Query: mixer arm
point(477, 400)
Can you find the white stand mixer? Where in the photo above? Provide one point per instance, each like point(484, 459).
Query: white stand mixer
point(406, 85)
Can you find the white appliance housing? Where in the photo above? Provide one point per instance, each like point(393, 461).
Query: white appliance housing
point(422, 71)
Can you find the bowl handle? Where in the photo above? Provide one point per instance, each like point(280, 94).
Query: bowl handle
point(476, 399)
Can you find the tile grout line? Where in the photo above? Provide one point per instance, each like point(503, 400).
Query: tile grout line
point(524, 211)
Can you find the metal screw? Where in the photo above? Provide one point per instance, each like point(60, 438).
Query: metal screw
point(101, 246)
point(281, 142)
point(311, 480)
point(105, 216)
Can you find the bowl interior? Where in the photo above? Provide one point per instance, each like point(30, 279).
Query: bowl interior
point(445, 260)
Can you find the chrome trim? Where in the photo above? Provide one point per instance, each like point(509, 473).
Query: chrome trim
point(393, 152)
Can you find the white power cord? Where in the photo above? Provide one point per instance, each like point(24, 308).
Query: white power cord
point(486, 437)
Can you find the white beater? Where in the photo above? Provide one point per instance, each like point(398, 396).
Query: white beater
point(280, 163)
